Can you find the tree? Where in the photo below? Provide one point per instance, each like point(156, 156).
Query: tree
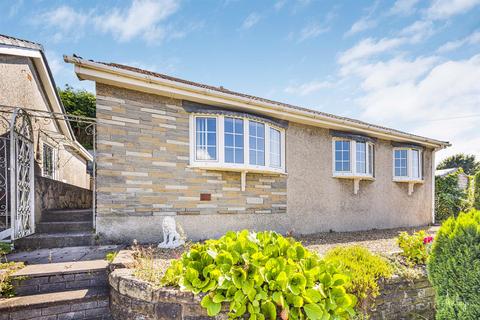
point(79, 103)
point(465, 161)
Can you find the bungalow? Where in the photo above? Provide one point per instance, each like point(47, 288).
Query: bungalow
point(220, 160)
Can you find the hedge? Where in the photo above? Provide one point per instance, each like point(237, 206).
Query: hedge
point(450, 199)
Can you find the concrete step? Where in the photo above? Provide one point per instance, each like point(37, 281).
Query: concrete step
point(67, 215)
point(64, 226)
point(55, 277)
point(86, 304)
point(55, 240)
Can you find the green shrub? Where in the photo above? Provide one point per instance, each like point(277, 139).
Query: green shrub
point(110, 256)
point(454, 267)
point(415, 247)
point(364, 269)
point(262, 274)
point(476, 183)
point(449, 198)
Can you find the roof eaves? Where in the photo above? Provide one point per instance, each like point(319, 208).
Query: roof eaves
point(150, 76)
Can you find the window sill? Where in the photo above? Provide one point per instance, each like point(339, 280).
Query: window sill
point(237, 168)
point(353, 176)
point(408, 180)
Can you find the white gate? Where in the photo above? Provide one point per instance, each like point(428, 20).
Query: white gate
point(17, 178)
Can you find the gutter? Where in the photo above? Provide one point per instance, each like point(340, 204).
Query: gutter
point(87, 69)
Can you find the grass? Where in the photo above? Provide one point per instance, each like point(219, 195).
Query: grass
point(110, 256)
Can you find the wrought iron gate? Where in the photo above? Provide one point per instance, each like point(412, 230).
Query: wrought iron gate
point(17, 177)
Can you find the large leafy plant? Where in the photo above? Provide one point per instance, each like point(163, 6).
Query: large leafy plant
point(264, 275)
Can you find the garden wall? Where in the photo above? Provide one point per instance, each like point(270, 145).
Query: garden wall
point(131, 298)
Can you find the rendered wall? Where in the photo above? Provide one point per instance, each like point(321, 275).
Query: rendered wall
point(143, 175)
point(20, 86)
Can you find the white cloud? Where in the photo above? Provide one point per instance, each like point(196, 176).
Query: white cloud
point(471, 39)
point(279, 4)
point(308, 87)
point(426, 96)
point(361, 25)
point(404, 7)
point(251, 20)
point(444, 9)
point(418, 31)
point(368, 47)
point(141, 19)
point(311, 31)
point(65, 21)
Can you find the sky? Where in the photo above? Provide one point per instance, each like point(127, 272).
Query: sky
point(412, 65)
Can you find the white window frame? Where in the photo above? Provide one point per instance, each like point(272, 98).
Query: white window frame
point(409, 177)
point(195, 141)
point(352, 173)
point(220, 163)
point(54, 161)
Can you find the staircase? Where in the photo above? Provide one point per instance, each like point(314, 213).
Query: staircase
point(60, 228)
point(67, 290)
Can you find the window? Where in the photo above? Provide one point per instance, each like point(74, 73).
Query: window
point(257, 143)
point(275, 148)
point(233, 140)
point(206, 138)
point(407, 164)
point(353, 159)
point(361, 157)
point(401, 163)
point(342, 156)
point(48, 159)
point(236, 143)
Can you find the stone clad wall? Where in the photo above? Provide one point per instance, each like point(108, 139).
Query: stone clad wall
point(131, 298)
point(143, 173)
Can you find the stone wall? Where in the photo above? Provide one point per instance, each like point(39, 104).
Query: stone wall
point(143, 172)
point(53, 194)
point(131, 298)
point(405, 299)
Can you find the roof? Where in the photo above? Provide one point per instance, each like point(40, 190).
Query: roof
point(21, 43)
point(445, 172)
point(19, 47)
point(79, 61)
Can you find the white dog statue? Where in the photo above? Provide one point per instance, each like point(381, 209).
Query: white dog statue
point(171, 238)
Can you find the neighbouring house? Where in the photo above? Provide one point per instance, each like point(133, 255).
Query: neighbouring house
point(59, 161)
point(220, 160)
point(462, 178)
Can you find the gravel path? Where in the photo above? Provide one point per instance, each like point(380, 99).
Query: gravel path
point(379, 241)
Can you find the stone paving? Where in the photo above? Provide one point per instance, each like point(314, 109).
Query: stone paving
point(67, 254)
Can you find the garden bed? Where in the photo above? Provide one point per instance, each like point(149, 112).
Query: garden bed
point(132, 298)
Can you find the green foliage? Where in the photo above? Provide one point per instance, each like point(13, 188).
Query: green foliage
point(6, 271)
point(454, 267)
point(476, 191)
point(465, 161)
point(414, 248)
point(5, 248)
point(262, 274)
point(110, 256)
point(449, 198)
point(79, 103)
point(364, 269)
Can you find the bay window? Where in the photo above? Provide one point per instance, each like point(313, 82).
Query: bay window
point(407, 164)
point(352, 158)
point(234, 142)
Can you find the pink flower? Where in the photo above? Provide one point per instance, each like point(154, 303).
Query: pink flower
point(427, 240)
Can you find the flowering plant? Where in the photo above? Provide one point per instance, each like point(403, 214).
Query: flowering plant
point(415, 247)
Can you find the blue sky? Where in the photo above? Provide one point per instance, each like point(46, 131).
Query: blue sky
point(412, 65)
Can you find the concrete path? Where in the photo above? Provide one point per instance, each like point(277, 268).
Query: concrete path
point(67, 254)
